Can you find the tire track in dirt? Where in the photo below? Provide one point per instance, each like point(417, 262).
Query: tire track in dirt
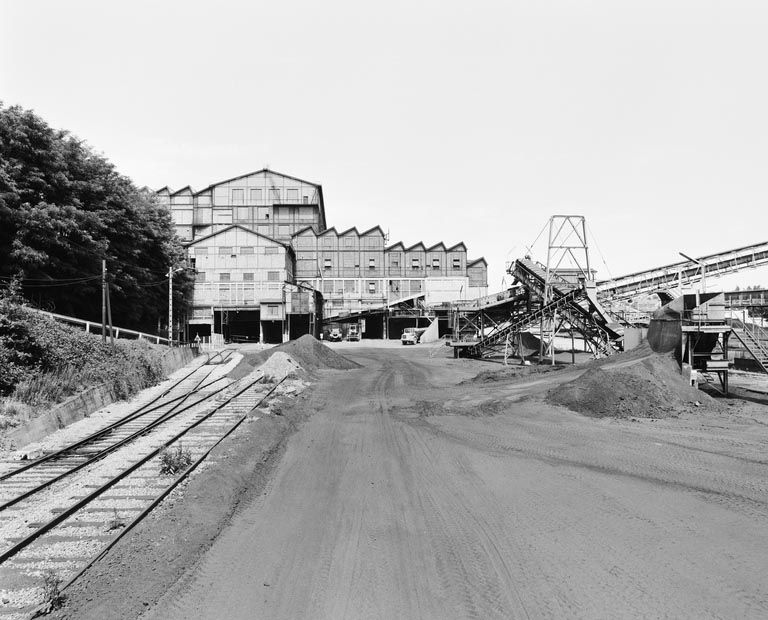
point(402, 498)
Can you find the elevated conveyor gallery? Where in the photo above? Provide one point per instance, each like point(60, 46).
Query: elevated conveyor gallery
point(683, 273)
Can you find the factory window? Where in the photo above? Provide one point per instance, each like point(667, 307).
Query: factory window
point(306, 200)
point(416, 286)
point(246, 249)
point(201, 251)
point(238, 196)
point(255, 195)
point(283, 230)
point(223, 277)
point(200, 276)
point(327, 263)
point(266, 216)
point(273, 276)
point(270, 249)
point(222, 216)
point(371, 263)
point(327, 286)
point(243, 214)
point(349, 286)
point(225, 250)
point(415, 263)
point(349, 242)
point(456, 263)
point(435, 263)
point(394, 260)
point(272, 310)
point(292, 195)
point(247, 277)
point(274, 194)
point(371, 287)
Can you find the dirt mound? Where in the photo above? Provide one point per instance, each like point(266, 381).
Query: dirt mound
point(508, 373)
point(280, 365)
point(651, 387)
point(310, 353)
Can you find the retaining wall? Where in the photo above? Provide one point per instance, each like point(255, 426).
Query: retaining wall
point(85, 403)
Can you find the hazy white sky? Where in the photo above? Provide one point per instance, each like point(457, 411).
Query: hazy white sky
point(450, 121)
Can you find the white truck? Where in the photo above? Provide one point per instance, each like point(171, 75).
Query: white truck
point(409, 336)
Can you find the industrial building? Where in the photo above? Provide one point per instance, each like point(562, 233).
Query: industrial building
point(268, 268)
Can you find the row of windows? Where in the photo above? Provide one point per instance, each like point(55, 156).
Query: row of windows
point(228, 250)
point(395, 262)
point(272, 276)
point(372, 286)
point(256, 194)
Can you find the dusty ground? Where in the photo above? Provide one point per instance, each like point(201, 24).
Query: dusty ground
point(411, 491)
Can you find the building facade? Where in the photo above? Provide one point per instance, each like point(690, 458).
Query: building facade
point(262, 252)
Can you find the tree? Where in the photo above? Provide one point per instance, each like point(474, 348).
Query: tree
point(64, 208)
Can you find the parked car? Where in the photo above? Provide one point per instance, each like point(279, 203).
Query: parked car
point(409, 336)
point(334, 335)
point(353, 333)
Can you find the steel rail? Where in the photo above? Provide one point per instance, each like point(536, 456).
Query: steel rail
point(111, 448)
point(27, 540)
point(141, 411)
point(164, 493)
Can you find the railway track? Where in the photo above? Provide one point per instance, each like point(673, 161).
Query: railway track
point(61, 511)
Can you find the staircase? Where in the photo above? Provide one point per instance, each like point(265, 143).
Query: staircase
point(750, 338)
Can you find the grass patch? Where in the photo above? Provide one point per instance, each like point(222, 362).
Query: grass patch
point(43, 362)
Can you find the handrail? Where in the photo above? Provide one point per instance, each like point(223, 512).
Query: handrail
point(87, 324)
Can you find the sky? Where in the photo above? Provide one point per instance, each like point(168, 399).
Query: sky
point(440, 121)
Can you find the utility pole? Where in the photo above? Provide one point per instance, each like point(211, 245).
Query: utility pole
point(109, 318)
point(170, 306)
point(103, 300)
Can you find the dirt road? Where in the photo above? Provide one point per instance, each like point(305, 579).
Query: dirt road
point(409, 496)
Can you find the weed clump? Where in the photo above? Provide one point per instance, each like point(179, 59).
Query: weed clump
point(52, 595)
point(174, 461)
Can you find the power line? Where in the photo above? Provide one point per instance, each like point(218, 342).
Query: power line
point(45, 280)
point(82, 281)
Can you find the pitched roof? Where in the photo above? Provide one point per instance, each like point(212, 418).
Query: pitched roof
point(370, 230)
point(472, 263)
point(305, 229)
point(182, 190)
point(437, 245)
point(399, 244)
point(263, 170)
point(460, 244)
point(349, 230)
point(416, 245)
point(230, 227)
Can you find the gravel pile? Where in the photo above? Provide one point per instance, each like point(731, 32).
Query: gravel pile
point(651, 387)
point(278, 366)
point(309, 352)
